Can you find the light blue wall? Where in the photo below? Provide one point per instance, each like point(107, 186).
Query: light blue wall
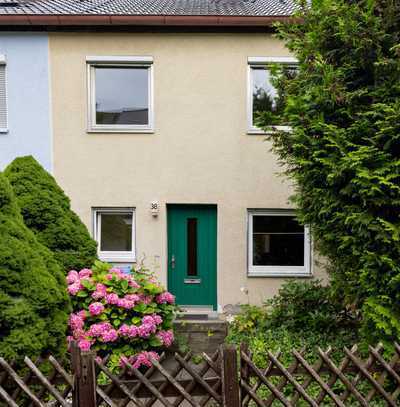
point(28, 97)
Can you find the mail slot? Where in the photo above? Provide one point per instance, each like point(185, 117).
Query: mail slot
point(192, 280)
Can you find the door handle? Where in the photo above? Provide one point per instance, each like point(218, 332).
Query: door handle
point(173, 261)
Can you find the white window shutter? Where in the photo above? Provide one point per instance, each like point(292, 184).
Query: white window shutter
point(3, 97)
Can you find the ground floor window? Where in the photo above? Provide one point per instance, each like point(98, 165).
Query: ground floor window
point(277, 244)
point(114, 231)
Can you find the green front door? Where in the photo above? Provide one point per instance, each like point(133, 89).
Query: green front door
point(192, 254)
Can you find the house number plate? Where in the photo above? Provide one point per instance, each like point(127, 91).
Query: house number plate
point(192, 280)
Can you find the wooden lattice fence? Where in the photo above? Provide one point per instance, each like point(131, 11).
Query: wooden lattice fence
point(222, 379)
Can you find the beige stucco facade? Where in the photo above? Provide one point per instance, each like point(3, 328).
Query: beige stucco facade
point(200, 151)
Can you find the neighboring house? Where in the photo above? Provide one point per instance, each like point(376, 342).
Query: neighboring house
point(154, 140)
point(25, 120)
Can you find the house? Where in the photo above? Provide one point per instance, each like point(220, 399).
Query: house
point(151, 109)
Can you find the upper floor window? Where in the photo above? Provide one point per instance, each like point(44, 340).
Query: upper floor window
point(278, 244)
point(3, 95)
point(265, 100)
point(114, 231)
point(120, 94)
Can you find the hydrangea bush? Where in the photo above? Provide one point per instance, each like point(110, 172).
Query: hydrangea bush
point(127, 315)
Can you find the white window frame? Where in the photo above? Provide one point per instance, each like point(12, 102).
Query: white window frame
point(93, 62)
point(114, 256)
point(3, 63)
point(257, 62)
point(277, 271)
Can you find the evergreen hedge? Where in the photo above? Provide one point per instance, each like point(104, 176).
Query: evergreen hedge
point(33, 299)
point(46, 211)
point(344, 149)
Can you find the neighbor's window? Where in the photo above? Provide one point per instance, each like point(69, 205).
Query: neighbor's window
point(266, 101)
point(120, 94)
point(278, 244)
point(114, 231)
point(3, 95)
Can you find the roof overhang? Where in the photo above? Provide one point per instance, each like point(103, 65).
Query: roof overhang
point(72, 20)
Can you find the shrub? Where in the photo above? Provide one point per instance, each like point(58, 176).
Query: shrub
point(46, 211)
point(33, 302)
point(303, 315)
point(344, 149)
point(128, 315)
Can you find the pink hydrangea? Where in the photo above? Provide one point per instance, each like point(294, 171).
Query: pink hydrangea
point(166, 337)
point(98, 359)
point(101, 291)
point(75, 322)
point(145, 330)
point(141, 359)
point(72, 277)
point(74, 288)
point(146, 299)
point(82, 314)
point(111, 298)
point(144, 359)
point(85, 273)
point(96, 308)
point(157, 319)
point(78, 334)
point(130, 331)
point(124, 303)
point(110, 336)
point(132, 297)
point(84, 345)
point(132, 283)
point(165, 298)
point(99, 329)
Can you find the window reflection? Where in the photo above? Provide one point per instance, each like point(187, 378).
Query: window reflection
point(121, 95)
point(269, 101)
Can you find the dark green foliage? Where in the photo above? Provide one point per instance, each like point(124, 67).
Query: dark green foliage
point(303, 315)
point(46, 211)
point(33, 300)
point(344, 150)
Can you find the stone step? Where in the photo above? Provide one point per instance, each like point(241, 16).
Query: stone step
point(201, 335)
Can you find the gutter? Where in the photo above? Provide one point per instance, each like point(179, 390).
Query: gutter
point(72, 20)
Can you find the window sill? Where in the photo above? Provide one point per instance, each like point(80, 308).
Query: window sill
point(120, 131)
point(3, 131)
point(259, 132)
point(117, 258)
point(292, 274)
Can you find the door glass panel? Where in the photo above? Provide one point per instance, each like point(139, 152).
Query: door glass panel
point(192, 247)
point(116, 232)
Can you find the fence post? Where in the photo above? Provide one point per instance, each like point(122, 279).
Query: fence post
point(84, 392)
point(230, 380)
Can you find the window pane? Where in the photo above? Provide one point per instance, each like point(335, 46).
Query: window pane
point(269, 101)
point(276, 224)
point(116, 232)
point(277, 241)
point(122, 95)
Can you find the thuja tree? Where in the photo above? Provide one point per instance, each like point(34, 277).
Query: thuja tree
point(46, 210)
point(344, 148)
point(33, 296)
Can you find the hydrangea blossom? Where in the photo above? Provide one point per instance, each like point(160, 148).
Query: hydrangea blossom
point(112, 316)
point(165, 298)
point(166, 337)
point(96, 308)
point(84, 345)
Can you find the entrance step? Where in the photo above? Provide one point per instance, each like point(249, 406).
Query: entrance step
point(200, 335)
point(197, 313)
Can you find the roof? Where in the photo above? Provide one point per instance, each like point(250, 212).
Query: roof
point(250, 8)
point(92, 13)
